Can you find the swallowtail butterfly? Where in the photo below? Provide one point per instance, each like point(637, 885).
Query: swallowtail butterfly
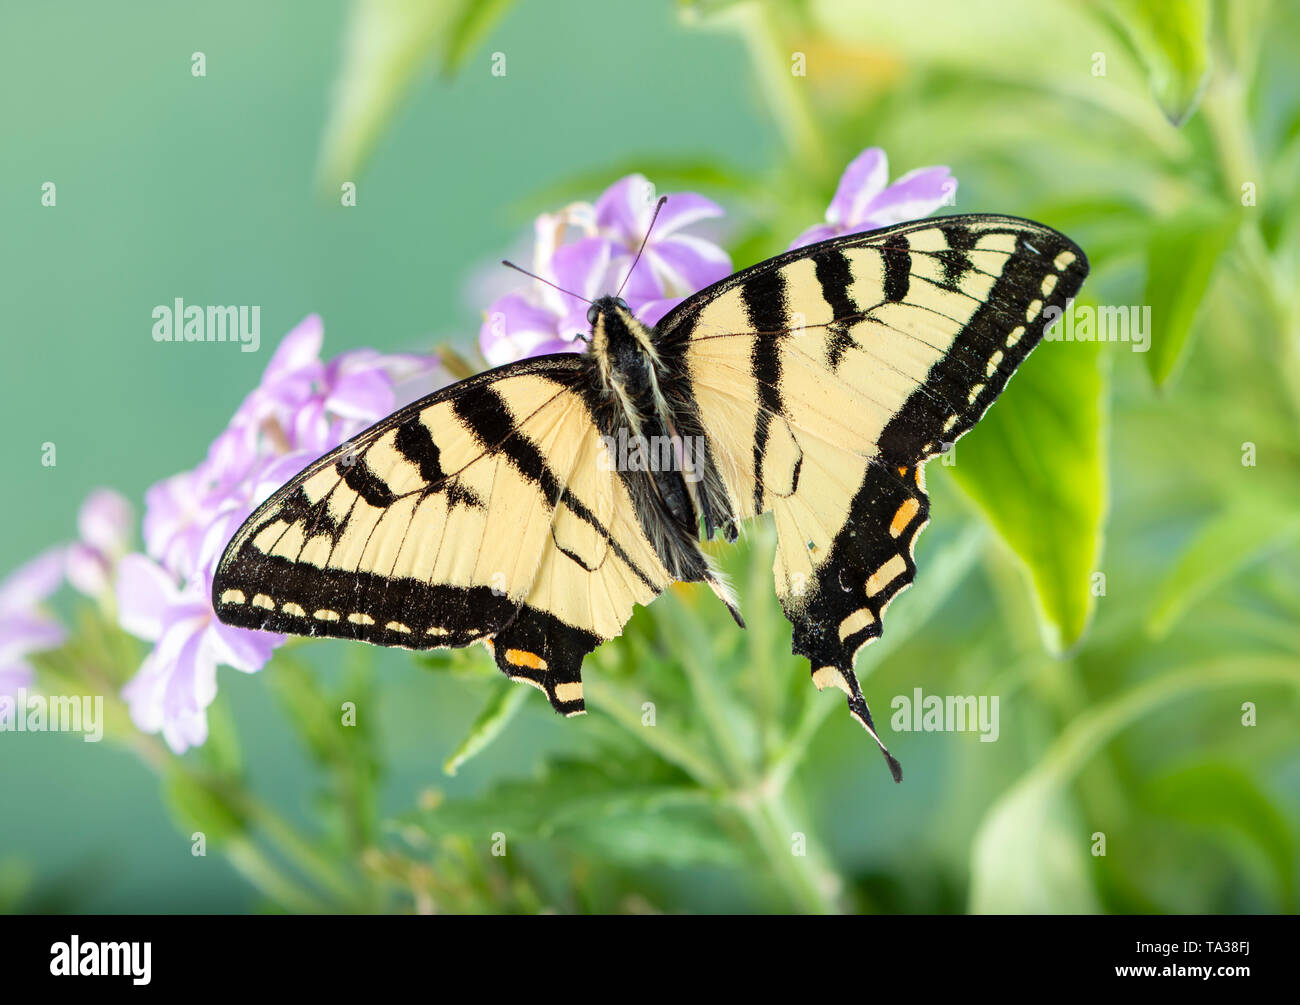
point(817, 384)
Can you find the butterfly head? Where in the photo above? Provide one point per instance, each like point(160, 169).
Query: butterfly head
point(617, 337)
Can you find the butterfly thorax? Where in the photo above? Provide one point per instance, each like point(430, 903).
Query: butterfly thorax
point(627, 364)
point(641, 429)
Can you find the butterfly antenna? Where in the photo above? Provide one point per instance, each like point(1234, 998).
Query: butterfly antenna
point(533, 275)
point(658, 206)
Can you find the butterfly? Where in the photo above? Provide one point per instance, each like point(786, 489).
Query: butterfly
point(533, 506)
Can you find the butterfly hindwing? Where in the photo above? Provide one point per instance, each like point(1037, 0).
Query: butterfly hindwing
point(480, 513)
point(826, 377)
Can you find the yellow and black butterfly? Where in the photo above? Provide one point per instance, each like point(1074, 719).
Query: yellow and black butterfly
point(815, 385)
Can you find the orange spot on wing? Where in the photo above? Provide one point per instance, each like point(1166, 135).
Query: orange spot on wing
point(523, 658)
point(903, 517)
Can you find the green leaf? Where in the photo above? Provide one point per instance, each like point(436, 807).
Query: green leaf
point(15, 881)
point(1223, 799)
point(1028, 852)
point(476, 19)
point(506, 700)
point(660, 837)
point(1181, 257)
point(1224, 545)
point(198, 804)
point(633, 812)
point(1036, 467)
point(1171, 38)
point(387, 43)
point(1031, 856)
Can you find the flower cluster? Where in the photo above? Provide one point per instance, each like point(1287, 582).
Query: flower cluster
point(589, 250)
point(302, 408)
point(26, 625)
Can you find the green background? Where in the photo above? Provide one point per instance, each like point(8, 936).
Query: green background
point(208, 189)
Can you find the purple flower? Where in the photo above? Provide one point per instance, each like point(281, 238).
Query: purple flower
point(178, 680)
point(588, 250)
point(680, 263)
point(302, 408)
point(865, 200)
point(25, 627)
point(104, 522)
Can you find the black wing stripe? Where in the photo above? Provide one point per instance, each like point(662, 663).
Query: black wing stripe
point(765, 306)
point(485, 414)
point(365, 483)
point(898, 268)
point(834, 273)
point(415, 442)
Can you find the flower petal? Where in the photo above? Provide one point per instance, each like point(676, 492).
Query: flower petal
point(583, 267)
point(33, 581)
point(366, 395)
point(687, 264)
point(514, 327)
point(297, 352)
point(682, 210)
point(821, 232)
point(145, 592)
point(104, 522)
point(88, 570)
point(652, 311)
point(23, 632)
point(862, 181)
point(14, 677)
point(623, 210)
point(916, 194)
point(242, 648)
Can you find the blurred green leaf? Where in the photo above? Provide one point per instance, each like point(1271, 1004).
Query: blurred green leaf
point(1172, 40)
point(1036, 467)
point(1224, 545)
point(631, 810)
point(1222, 798)
point(1182, 255)
point(221, 752)
point(201, 804)
point(475, 19)
point(1031, 856)
point(653, 836)
point(1028, 838)
point(16, 878)
point(387, 43)
point(507, 698)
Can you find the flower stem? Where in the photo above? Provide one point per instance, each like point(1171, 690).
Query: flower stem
point(787, 95)
point(803, 871)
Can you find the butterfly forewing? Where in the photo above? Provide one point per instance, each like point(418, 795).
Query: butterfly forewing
point(826, 377)
point(481, 513)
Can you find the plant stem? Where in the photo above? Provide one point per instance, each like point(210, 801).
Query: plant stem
point(807, 878)
point(786, 94)
point(673, 749)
